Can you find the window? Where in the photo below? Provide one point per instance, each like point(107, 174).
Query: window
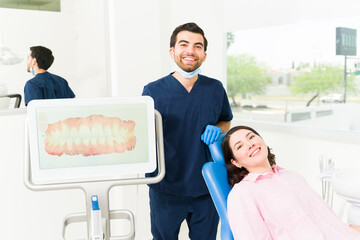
point(293, 72)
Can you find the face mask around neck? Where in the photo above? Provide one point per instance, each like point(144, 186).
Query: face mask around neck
point(186, 74)
point(32, 71)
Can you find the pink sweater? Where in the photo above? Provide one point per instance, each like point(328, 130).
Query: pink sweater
point(281, 206)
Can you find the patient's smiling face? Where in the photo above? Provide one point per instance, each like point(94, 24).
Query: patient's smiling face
point(250, 151)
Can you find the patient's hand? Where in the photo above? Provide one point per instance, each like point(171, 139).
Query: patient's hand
point(355, 227)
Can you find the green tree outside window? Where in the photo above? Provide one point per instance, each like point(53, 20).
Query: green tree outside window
point(322, 79)
point(245, 76)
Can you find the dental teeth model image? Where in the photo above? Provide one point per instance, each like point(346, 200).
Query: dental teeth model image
point(92, 135)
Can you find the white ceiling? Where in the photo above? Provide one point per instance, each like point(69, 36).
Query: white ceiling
point(243, 14)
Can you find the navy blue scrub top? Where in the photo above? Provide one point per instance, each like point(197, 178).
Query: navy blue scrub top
point(185, 116)
point(47, 86)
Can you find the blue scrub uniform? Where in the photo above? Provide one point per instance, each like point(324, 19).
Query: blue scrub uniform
point(185, 116)
point(47, 86)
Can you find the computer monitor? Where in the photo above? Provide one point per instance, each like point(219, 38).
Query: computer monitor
point(81, 140)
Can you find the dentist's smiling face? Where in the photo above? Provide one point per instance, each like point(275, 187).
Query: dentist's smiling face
point(249, 151)
point(188, 52)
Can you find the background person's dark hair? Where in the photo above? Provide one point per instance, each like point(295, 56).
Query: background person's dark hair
point(191, 27)
point(43, 55)
point(235, 174)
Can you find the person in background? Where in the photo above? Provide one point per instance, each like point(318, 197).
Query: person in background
point(269, 202)
point(195, 110)
point(44, 85)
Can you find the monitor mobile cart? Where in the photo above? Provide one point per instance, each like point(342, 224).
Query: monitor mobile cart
point(90, 144)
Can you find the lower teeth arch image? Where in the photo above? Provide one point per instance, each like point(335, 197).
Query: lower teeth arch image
point(88, 136)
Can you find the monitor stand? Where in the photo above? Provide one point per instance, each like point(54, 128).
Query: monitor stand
point(106, 214)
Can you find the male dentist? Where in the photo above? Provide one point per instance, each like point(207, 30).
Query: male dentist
point(195, 110)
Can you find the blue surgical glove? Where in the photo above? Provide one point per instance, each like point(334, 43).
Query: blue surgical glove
point(211, 134)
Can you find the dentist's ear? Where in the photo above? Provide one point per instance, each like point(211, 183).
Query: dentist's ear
point(33, 62)
point(236, 163)
point(171, 51)
point(205, 54)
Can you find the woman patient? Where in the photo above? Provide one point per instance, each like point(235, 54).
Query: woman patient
point(268, 202)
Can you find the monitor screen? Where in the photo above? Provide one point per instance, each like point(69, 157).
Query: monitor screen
point(80, 140)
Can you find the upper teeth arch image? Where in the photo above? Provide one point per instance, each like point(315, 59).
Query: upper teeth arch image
point(88, 136)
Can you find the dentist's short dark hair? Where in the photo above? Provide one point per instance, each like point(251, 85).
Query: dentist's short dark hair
point(43, 55)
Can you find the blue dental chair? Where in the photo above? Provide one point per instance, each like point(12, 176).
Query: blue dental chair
point(215, 177)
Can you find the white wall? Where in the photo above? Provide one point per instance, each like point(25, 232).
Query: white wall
point(140, 39)
point(131, 47)
point(136, 50)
